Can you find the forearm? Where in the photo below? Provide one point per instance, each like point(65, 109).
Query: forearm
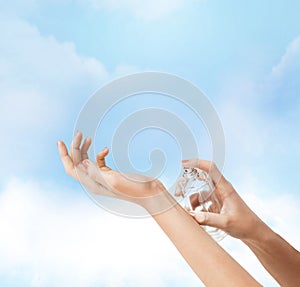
point(279, 258)
point(208, 260)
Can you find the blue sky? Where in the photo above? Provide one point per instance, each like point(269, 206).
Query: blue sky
point(54, 54)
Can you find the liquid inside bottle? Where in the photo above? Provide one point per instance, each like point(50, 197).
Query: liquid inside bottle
point(197, 190)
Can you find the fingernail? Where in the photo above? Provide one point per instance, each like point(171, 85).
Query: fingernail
point(86, 163)
point(192, 213)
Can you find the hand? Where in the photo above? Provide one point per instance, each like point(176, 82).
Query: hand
point(99, 178)
point(235, 218)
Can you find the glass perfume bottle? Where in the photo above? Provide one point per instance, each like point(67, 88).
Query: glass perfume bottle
point(197, 190)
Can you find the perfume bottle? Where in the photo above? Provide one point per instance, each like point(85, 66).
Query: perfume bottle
point(197, 191)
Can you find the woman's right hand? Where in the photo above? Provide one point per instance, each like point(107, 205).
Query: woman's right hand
point(235, 218)
point(102, 180)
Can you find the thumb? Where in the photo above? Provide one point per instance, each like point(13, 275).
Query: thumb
point(210, 218)
point(100, 158)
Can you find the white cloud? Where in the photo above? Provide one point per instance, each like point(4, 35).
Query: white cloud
point(50, 239)
point(261, 116)
point(43, 84)
point(279, 211)
point(261, 121)
point(290, 61)
point(42, 80)
point(43, 236)
point(277, 207)
point(147, 10)
point(283, 82)
point(31, 59)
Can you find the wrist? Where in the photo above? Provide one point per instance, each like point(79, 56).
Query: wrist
point(157, 203)
point(261, 234)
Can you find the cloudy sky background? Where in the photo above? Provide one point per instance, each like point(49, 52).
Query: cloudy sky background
point(55, 54)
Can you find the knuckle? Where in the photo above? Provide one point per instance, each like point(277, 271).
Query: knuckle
point(205, 217)
point(214, 167)
point(213, 164)
point(202, 217)
point(228, 222)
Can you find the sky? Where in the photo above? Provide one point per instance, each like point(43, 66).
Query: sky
point(244, 56)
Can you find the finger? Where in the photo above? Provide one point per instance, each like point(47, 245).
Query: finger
point(212, 219)
point(66, 159)
point(100, 158)
point(178, 192)
point(207, 166)
point(180, 187)
point(85, 147)
point(75, 148)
